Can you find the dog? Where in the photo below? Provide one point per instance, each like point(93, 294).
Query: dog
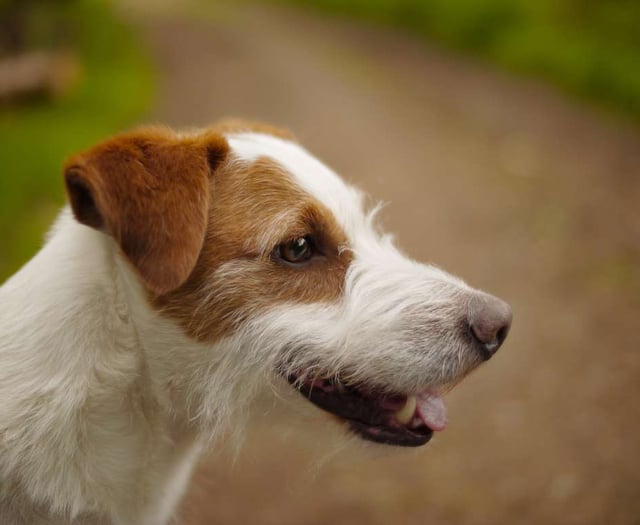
point(192, 274)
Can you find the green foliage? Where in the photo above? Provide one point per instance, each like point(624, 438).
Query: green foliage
point(590, 47)
point(114, 89)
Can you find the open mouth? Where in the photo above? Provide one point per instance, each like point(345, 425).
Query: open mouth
point(400, 420)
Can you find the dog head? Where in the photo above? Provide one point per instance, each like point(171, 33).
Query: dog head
point(267, 261)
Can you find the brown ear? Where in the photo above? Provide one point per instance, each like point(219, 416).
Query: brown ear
point(150, 191)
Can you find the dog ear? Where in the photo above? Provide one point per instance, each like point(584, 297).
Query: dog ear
point(150, 191)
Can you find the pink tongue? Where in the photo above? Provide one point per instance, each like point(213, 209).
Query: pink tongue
point(431, 410)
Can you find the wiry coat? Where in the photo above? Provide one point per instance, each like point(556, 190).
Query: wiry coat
point(155, 315)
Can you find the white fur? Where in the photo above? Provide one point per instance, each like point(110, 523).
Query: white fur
point(106, 404)
point(388, 327)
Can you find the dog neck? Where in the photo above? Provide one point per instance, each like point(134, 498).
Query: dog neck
point(88, 426)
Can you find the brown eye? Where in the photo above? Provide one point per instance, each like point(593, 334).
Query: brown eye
point(296, 251)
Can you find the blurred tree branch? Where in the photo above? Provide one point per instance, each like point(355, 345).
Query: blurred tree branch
point(27, 23)
point(34, 60)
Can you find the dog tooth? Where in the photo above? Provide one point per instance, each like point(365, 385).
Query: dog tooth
point(405, 414)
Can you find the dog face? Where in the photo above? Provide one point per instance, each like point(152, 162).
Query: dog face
point(262, 254)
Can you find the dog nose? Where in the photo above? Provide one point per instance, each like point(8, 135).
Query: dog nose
point(489, 321)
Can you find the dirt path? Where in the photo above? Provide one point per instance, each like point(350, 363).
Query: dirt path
point(499, 180)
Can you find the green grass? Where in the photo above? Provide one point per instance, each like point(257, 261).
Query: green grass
point(591, 48)
point(115, 88)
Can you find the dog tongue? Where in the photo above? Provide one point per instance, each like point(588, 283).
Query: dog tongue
point(431, 409)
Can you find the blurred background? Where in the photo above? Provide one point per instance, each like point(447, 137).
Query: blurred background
point(504, 136)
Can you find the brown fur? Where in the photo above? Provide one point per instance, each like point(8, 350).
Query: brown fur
point(254, 209)
point(150, 191)
point(178, 223)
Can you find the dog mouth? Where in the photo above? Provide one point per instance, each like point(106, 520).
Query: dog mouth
point(392, 419)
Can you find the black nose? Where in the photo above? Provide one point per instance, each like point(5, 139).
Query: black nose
point(489, 322)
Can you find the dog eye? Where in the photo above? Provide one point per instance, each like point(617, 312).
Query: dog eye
point(297, 250)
